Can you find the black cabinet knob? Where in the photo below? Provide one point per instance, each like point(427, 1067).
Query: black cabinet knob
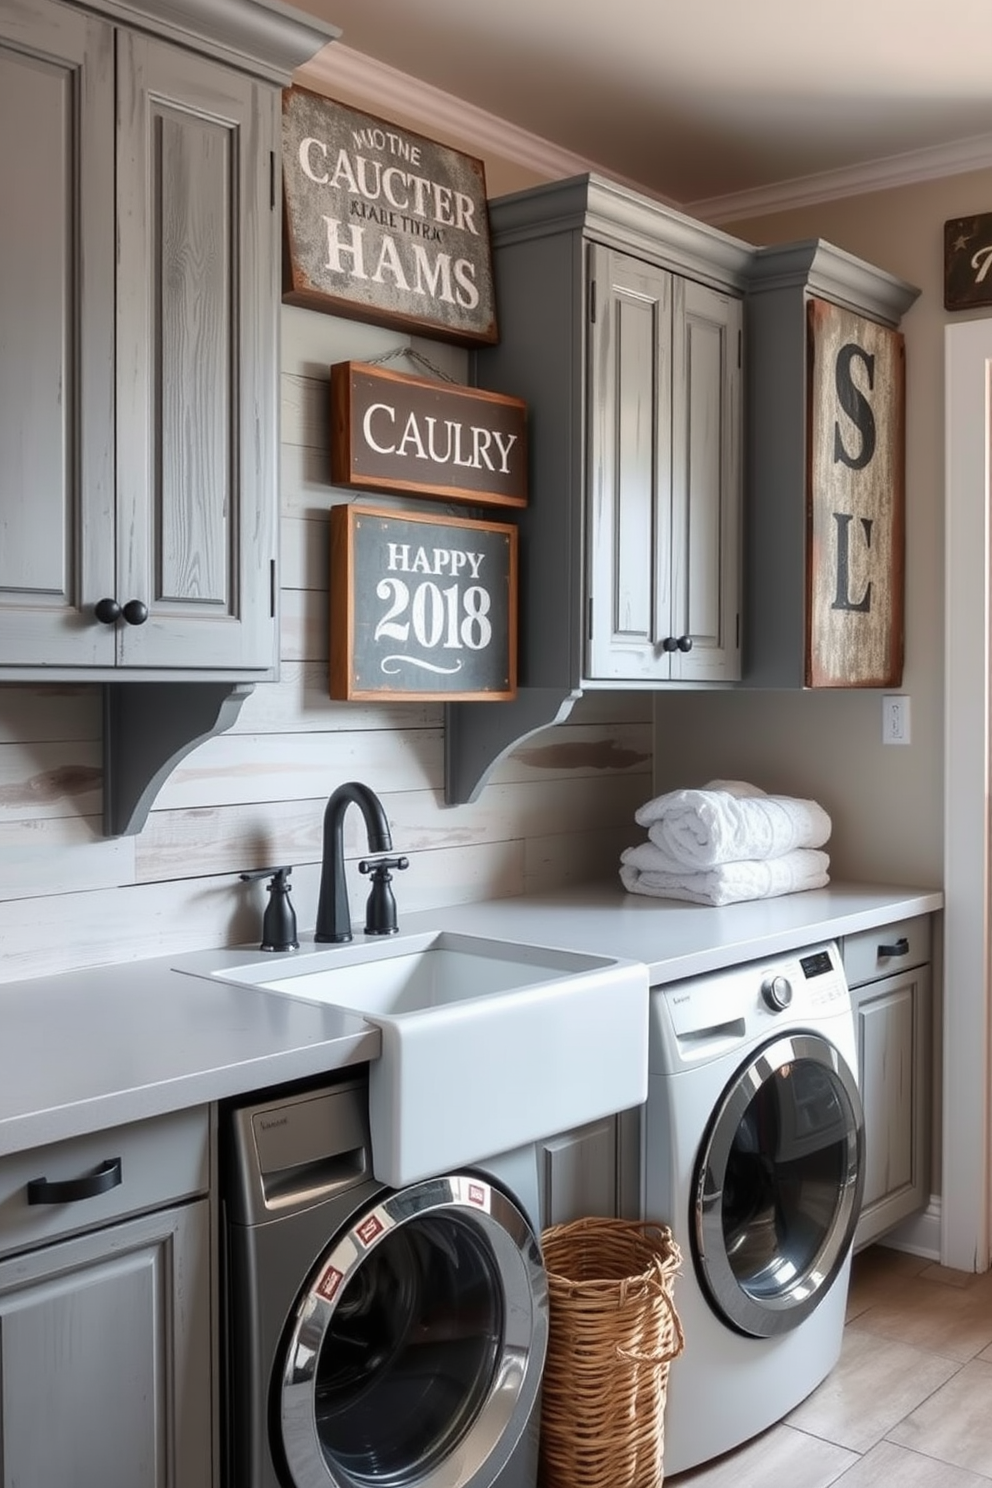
point(684, 643)
point(107, 611)
point(134, 612)
point(669, 644)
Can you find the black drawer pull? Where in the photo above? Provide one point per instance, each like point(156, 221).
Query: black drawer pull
point(46, 1191)
point(901, 948)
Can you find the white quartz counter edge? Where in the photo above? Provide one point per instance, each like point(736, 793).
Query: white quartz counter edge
point(676, 940)
point(88, 1050)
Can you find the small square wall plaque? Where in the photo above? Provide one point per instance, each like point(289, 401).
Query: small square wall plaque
point(968, 262)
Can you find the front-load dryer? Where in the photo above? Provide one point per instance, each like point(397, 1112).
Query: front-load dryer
point(752, 1142)
point(375, 1336)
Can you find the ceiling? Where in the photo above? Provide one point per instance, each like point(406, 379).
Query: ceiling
point(706, 100)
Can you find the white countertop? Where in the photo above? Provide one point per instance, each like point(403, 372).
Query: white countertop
point(677, 940)
point(84, 1051)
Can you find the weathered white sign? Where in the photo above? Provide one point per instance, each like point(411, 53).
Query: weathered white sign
point(382, 224)
point(856, 560)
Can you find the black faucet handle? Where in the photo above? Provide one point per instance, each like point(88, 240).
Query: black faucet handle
point(279, 920)
point(373, 865)
point(282, 874)
point(380, 911)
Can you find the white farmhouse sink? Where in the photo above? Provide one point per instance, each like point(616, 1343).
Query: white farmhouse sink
point(486, 1044)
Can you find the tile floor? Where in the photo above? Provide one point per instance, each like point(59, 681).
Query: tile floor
point(909, 1404)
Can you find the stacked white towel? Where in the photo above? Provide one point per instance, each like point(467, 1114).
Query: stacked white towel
point(727, 842)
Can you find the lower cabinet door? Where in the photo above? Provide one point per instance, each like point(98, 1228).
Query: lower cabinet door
point(892, 1017)
point(105, 1352)
point(578, 1173)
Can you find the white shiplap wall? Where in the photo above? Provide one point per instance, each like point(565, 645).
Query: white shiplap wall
point(559, 810)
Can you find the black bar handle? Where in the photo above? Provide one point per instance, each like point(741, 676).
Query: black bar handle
point(47, 1191)
point(901, 948)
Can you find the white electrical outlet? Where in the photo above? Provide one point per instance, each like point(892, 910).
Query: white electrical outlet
point(895, 718)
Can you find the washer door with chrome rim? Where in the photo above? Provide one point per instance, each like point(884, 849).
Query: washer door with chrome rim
point(778, 1185)
point(415, 1352)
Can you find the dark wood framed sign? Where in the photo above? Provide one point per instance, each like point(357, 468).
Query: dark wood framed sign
point(422, 606)
point(416, 435)
point(968, 262)
point(383, 225)
point(855, 570)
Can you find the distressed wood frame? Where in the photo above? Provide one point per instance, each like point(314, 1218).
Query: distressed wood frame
point(855, 562)
point(370, 406)
point(382, 224)
point(371, 618)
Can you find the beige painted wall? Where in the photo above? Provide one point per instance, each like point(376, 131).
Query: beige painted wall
point(886, 801)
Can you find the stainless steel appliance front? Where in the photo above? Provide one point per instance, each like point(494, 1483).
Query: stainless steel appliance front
point(374, 1336)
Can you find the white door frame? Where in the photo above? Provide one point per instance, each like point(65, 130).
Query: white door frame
point(965, 1179)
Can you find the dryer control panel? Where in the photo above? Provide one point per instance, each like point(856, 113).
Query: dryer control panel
point(704, 1016)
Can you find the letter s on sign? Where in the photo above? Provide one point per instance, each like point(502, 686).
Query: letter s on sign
point(855, 405)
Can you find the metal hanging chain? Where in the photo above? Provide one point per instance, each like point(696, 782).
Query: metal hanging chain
point(414, 356)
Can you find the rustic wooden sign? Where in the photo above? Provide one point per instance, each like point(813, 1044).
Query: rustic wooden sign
point(422, 607)
point(383, 225)
point(968, 262)
point(415, 435)
point(856, 499)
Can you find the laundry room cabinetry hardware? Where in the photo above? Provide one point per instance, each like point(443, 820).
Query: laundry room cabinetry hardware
point(621, 328)
point(138, 417)
point(784, 281)
point(889, 974)
point(106, 1308)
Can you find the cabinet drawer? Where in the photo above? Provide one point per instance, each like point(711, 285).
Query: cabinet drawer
point(160, 1161)
point(885, 950)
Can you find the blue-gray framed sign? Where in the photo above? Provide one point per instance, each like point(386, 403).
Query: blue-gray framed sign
point(381, 224)
point(421, 606)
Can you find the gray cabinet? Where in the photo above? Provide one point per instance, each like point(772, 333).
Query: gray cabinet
point(139, 170)
point(139, 509)
point(592, 1170)
point(106, 1313)
point(578, 1173)
point(888, 970)
point(663, 573)
point(57, 350)
point(620, 328)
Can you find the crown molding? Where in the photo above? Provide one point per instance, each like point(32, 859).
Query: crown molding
point(955, 159)
point(381, 87)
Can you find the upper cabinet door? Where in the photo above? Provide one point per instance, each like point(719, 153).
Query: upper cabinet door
point(196, 360)
point(706, 484)
point(629, 502)
point(664, 500)
point(56, 335)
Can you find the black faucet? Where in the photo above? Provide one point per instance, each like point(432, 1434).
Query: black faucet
point(333, 913)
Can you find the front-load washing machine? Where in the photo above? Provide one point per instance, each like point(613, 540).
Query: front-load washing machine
point(752, 1142)
point(375, 1336)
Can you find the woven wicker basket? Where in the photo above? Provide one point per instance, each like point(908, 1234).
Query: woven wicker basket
point(613, 1333)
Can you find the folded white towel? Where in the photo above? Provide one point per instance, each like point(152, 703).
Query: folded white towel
point(727, 883)
point(730, 821)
